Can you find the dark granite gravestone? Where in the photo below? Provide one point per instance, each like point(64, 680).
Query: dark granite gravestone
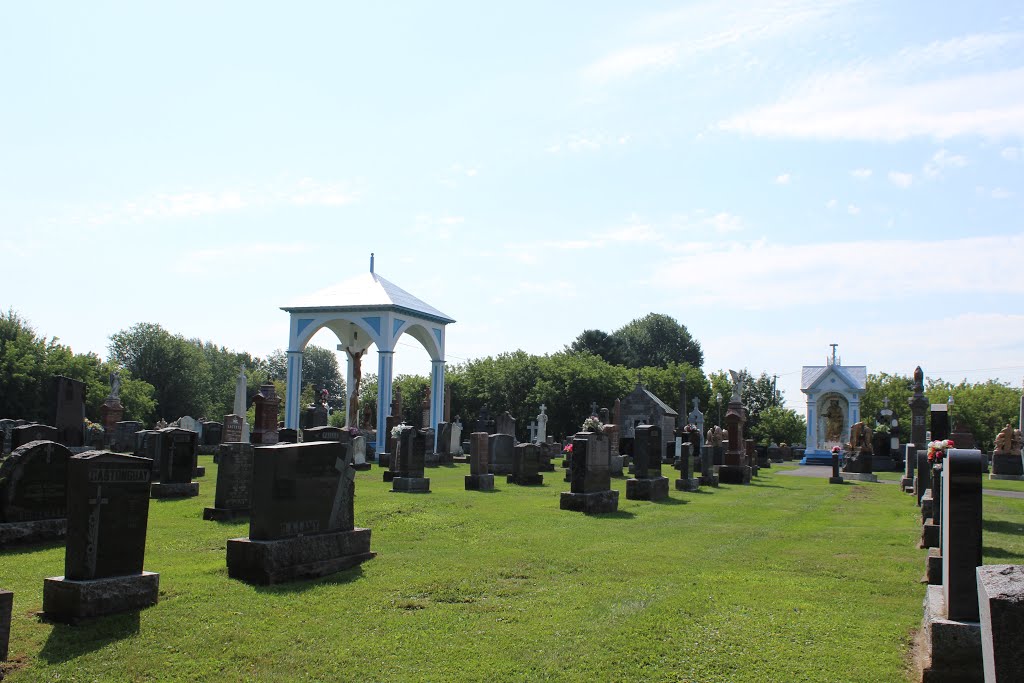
point(178, 449)
point(213, 433)
point(479, 477)
point(590, 479)
point(233, 427)
point(647, 482)
point(33, 493)
point(265, 430)
point(525, 465)
point(499, 458)
point(123, 439)
point(409, 461)
point(762, 456)
point(234, 483)
point(6, 611)
point(909, 467)
point(315, 415)
point(1001, 614)
point(940, 421)
point(302, 519)
point(918, 408)
point(734, 468)
point(325, 433)
point(707, 466)
point(961, 532)
point(108, 510)
point(26, 433)
point(506, 424)
point(687, 480)
point(923, 480)
point(390, 443)
point(775, 453)
point(67, 410)
point(836, 478)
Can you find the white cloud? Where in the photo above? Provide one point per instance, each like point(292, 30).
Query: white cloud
point(941, 161)
point(634, 232)
point(902, 180)
point(1012, 153)
point(725, 222)
point(861, 173)
point(783, 179)
point(630, 60)
point(900, 98)
point(440, 227)
point(1000, 193)
point(853, 209)
point(831, 204)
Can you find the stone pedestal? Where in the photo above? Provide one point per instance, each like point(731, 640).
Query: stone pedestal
point(931, 533)
point(410, 485)
point(1001, 604)
point(1007, 467)
point(948, 650)
point(691, 484)
point(591, 503)
point(734, 474)
point(479, 482)
point(933, 567)
point(110, 414)
point(17, 533)
point(161, 490)
point(835, 478)
point(68, 600)
point(199, 472)
point(859, 463)
point(301, 557)
point(655, 488)
point(861, 476)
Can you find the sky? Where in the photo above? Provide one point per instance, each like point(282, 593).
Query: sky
point(777, 176)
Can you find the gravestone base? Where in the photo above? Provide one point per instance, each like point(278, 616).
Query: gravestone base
point(200, 471)
point(933, 567)
point(384, 460)
point(387, 475)
point(708, 480)
point(479, 482)
point(160, 490)
point(223, 514)
point(362, 466)
point(883, 463)
point(835, 480)
point(590, 503)
point(947, 650)
point(17, 533)
point(734, 474)
point(1007, 465)
point(410, 485)
point(1007, 477)
point(69, 601)
point(302, 557)
point(930, 534)
point(687, 485)
point(1000, 605)
point(526, 480)
point(861, 476)
point(907, 484)
point(654, 488)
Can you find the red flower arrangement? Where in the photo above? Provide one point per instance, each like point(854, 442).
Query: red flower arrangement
point(937, 450)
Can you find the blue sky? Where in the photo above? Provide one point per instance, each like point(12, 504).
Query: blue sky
point(775, 175)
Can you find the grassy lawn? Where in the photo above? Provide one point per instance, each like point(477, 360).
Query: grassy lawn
point(789, 579)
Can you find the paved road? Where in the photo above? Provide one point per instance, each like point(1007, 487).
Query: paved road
point(825, 472)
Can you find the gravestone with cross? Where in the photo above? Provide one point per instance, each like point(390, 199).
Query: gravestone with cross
point(302, 519)
point(108, 513)
point(648, 482)
point(33, 493)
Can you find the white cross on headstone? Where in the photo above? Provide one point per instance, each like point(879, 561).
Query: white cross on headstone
point(92, 548)
point(543, 408)
point(593, 407)
point(533, 432)
point(348, 473)
point(885, 401)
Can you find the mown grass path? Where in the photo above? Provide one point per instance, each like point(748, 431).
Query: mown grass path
point(789, 579)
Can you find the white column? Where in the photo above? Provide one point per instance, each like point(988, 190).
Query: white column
point(293, 390)
point(812, 427)
point(385, 360)
point(436, 395)
point(350, 420)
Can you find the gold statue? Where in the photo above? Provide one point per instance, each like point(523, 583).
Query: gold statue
point(860, 438)
point(1008, 441)
point(834, 421)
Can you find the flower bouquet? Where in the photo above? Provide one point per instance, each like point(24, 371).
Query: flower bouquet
point(937, 450)
point(592, 424)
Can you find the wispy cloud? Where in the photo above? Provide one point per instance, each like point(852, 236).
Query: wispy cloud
point(783, 179)
point(188, 203)
point(1012, 153)
point(861, 173)
point(853, 209)
point(901, 180)
point(902, 97)
point(941, 161)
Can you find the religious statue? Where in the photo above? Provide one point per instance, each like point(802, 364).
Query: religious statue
point(368, 417)
point(355, 359)
point(1008, 441)
point(161, 424)
point(918, 380)
point(860, 438)
point(715, 435)
point(834, 422)
point(738, 379)
point(115, 385)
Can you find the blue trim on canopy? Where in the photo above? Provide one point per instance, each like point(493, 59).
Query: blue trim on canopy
point(301, 324)
point(437, 334)
point(397, 325)
point(374, 322)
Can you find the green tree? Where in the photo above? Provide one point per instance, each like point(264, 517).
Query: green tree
point(779, 425)
point(982, 409)
point(898, 389)
point(600, 343)
point(657, 340)
point(758, 395)
point(319, 370)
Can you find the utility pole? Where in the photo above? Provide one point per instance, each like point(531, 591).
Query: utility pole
point(774, 377)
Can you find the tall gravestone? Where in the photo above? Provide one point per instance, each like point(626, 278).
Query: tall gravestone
point(108, 512)
point(178, 450)
point(123, 439)
point(479, 477)
point(707, 466)
point(647, 482)
point(734, 468)
point(918, 408)
point(525, 465)
point(33, 493)
point(264, 432)
point(240, 405)
point(234, 427)
point(6, 611)
point(542, 424)
point(499, 459)
point(409, 462)
point(940, 421)
point(302, 519)
point(590, 480)
point(67, 412)
point(506, 424)
point(909, 467)
point(234, 483)
point(687, 480)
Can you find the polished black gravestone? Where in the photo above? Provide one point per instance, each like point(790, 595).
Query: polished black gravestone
point(6, 611)
point(67, 411)
point(178, 457)
point(647, 482)
point(409, 460)
point(33, 493)
point(499, 458)
point(1001, 603)
point(590, 477)
point(123, 440)
point(525, 465)
point(686, 481)
point(940, 421)
point(302, 520)
point(27, 433)
point(835, 478)
point(233, 497)
point(213, 433)
point(479, 477)
point(707, 466)
point(108, 510)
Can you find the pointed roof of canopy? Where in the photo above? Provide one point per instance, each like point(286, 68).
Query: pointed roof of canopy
point(367, 292)
point(855, 376)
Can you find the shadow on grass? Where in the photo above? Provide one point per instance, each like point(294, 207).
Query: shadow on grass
point(755, 482)
point(34, 547)
point(1001, 553)
point(68, 642)
point(1001, 527)
point(671, 501)
point(302, 585)
point(620, 514)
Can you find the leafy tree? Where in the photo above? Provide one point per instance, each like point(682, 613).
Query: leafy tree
point(319, 370)
point(898, 389)
point(601, 344)
point(657, 340)
point(758, 395)
point(779, 425)
point(982, 409)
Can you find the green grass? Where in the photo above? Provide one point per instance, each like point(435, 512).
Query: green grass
point(994, 484)
point(789, 579)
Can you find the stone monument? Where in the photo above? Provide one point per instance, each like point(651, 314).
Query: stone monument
point(479, 477)
point(408, 461)
point(33, 493)
point(525, 465)
point(647, 482)
point(111, 411)
point(1006, 455)
point(67, 411)
point(267, 403)
point(833, 394)
point(240, 407)
point(734, 469)
point(234, 483)
point(590, 480)
point(178, 450)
